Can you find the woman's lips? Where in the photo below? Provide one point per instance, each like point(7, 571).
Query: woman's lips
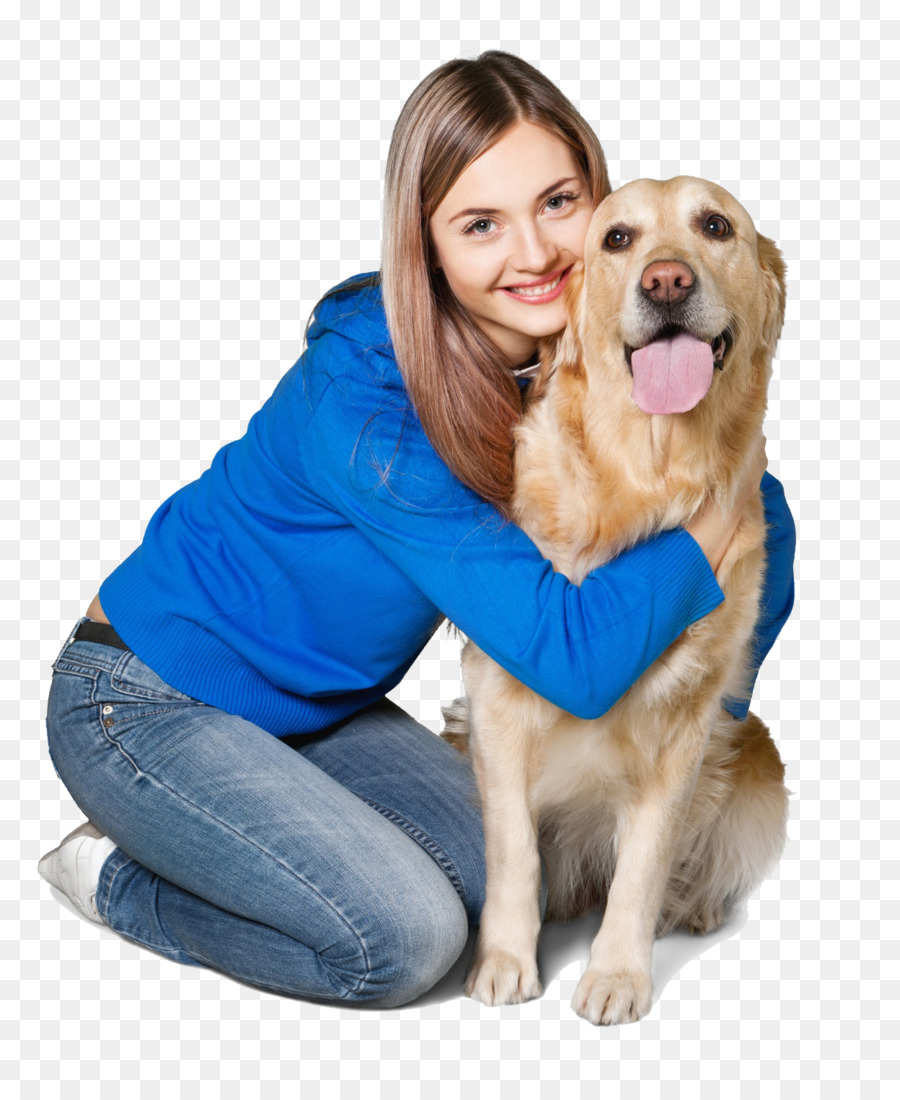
point(533, 294)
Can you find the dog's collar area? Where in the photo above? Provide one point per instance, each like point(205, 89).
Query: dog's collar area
point(529, 369)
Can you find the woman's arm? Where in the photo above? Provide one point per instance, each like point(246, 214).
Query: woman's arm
point(363, 451)
point(713, 530)
point(777, 597)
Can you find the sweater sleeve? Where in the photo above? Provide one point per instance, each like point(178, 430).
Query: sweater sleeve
point(581, 647)
point(777, 598)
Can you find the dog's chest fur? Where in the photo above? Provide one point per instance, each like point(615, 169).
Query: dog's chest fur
point(593, 479)
point(582, 504)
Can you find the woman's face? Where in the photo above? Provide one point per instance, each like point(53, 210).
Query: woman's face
point(508, 232)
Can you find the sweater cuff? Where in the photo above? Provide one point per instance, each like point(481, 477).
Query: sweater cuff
point(680, 574)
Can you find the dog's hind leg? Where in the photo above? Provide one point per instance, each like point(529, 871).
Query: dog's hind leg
point(735, 828)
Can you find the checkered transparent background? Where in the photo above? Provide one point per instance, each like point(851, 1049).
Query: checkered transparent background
point(176, 192)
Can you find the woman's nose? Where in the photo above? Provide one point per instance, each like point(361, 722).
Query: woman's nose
point(536, 250)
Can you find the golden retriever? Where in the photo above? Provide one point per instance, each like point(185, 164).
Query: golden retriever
point(666, 808)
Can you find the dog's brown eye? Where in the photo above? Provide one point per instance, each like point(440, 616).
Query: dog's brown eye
point(716, 226)
point(617, 238)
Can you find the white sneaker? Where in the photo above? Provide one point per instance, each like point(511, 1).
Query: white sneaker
point(74, 867)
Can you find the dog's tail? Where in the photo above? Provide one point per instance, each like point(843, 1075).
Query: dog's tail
point(456, 724)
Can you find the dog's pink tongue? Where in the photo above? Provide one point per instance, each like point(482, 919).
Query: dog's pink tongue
point(671, 376)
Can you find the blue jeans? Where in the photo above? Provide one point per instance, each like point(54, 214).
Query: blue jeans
point(342, 866)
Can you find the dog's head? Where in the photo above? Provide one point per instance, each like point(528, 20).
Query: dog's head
point(680, 295)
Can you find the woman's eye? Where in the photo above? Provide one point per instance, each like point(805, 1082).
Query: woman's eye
point(716, 226)
point(480, 227)
point(560, 201)
point(617, 238)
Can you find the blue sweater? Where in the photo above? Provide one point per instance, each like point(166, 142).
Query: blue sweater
point(299, 577)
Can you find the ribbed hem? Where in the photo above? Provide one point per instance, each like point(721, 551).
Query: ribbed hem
point(197, 663)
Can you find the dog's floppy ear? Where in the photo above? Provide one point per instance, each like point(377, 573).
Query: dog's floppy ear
point(568, 355)
point(773, 268)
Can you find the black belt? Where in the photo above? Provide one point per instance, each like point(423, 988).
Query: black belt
point(89, 631)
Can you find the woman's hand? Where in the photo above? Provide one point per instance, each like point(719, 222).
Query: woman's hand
point(712, 527)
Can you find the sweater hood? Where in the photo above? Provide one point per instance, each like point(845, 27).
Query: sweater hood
point(355, 310)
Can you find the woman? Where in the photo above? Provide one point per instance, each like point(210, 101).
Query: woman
point(256, 805)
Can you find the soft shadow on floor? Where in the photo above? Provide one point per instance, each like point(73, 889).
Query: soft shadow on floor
point(564, 942)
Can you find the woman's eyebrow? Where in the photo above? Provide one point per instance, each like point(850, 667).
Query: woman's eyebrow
point(472, 211)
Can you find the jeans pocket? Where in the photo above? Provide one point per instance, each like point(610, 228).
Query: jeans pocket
point(133, 678)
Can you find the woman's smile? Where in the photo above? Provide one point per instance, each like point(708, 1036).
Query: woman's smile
point(540, 291)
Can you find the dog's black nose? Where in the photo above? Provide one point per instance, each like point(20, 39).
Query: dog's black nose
point(667, 282)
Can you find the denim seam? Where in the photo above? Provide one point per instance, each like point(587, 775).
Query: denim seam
point(251, 979)
point(84, 673)
point(158, 706)
point(117, 745)
point(437, 853)
point(153, 696)
point(71, 669)
point(86, 664)
point(223, 824)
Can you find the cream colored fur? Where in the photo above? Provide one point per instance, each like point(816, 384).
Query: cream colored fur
point(666, 808)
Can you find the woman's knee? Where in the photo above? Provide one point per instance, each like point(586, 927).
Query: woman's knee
point(411, 941)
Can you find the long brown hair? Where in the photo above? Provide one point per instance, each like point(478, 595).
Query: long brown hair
point(459, 381)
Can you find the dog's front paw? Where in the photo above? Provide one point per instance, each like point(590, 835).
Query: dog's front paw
point(613, 998)
point(501, 978)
